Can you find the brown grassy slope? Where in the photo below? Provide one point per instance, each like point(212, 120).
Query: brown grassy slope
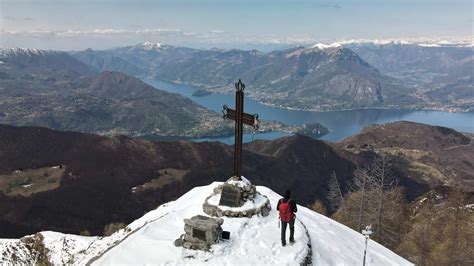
point(437, 155)
point(100, 174)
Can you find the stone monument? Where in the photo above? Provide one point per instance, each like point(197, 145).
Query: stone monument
point(200, 233)
point(236, 198)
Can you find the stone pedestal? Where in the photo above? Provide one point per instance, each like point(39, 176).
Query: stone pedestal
point(236, 198)
point(200, 233)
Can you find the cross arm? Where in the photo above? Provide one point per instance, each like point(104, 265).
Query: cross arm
point(247, 119)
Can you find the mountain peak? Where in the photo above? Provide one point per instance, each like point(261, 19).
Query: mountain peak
point(323, 46)
point(152, 45)
point(150, 238)
point(319, 48)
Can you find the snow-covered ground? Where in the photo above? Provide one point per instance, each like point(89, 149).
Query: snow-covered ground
point(149, 240)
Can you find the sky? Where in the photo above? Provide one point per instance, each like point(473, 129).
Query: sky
point(102, 24)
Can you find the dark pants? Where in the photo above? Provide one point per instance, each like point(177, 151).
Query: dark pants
point(283, 231)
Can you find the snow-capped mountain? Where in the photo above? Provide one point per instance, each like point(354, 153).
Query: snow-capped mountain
point(323, 46)
point(461, 42)
point(9, 51)
point(151, 45)
point(39, 60)
point(149, 240)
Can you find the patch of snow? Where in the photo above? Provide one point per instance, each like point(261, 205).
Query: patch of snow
point(6, 51)
point(253, 241)
point(27, 185)
point(429, 45)
point(323, 46)
point(56, 167)
point(243, 182)
point(65, 248)
point(18, 250)
point(150, 240)
point(152, 45)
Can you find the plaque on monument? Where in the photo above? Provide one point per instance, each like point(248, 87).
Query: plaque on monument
point(199, 234)
point(230, 196)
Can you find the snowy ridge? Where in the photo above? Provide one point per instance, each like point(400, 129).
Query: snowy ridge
point(151, 45)
point(15, 51)
point(323, 46)
point(149, 240)
point(420, 42)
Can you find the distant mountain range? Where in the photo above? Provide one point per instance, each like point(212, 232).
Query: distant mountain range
point(442, 75)
point(55, 90)
point(320, 77)
point(418, 64)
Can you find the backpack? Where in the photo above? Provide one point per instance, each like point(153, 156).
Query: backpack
point(286, 214)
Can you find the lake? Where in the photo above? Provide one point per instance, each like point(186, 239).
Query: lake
point(342, 124)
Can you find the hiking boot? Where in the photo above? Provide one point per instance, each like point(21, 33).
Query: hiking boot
point(292, 241)
point(283, 244)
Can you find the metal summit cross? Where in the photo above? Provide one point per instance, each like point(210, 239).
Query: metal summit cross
point(240, 119)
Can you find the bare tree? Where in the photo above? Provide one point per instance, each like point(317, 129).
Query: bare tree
point(375, 199)
point(361, 179)
point(353, 209)
point(334, 196)
point(386, 197)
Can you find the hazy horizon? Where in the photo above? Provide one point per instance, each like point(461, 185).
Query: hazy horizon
point(77, 25)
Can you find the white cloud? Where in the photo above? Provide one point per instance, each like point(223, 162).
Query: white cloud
point(113, 37)
point(92, 33)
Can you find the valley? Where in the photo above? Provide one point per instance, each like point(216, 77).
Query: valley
point(315, 78)
point(341, 124)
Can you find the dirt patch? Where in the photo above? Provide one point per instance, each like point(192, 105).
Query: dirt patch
point(419, 171)
point(30, 181)
point(406, 153)
point(167, 176)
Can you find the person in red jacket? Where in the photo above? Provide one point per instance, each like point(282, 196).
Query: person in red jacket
point(287, 208)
